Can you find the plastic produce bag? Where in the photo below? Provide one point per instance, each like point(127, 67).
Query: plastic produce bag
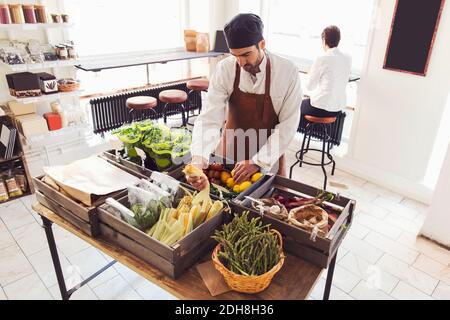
point(146, 206)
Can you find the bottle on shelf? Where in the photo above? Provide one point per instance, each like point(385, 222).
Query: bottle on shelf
point(41, 14)
point(5, 15)
point(29, 13)
point(16, 13)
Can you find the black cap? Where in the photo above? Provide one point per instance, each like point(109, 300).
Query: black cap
point(244, 30)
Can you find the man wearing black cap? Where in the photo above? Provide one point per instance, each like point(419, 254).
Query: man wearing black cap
point(263, 94)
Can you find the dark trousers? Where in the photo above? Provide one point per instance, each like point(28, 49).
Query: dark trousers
point(308, 109)
point(336, 128)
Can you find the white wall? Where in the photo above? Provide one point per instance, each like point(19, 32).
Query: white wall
point(398, 114)
point(437, 223)
point(53, 36)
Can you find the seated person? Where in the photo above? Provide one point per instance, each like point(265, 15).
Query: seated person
point(328, 78)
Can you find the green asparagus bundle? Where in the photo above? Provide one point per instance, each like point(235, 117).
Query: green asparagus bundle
point(247, 247)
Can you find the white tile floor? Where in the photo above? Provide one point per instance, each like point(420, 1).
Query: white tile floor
point(381, 258)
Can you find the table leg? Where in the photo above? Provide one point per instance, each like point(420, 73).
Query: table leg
point(55, 258)
point(329, 280)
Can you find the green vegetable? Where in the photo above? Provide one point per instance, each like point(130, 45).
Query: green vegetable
point(145, 217)
point(228, 195)
point(159, 142)
point(247, 246)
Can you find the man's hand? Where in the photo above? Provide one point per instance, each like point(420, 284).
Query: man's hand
point(202, 182)
point(244, 170)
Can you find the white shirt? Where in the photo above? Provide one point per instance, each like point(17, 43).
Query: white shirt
point(328, 79)
point(286, 94)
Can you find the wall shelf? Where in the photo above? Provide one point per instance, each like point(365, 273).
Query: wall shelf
point(40, 66)
point(35, 26)
point(48, 97)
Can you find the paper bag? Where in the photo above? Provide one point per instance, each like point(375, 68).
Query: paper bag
point(87, 179)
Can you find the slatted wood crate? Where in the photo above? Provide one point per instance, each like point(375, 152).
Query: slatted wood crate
point(73, 211)
point(172, 260)
point(296, 240)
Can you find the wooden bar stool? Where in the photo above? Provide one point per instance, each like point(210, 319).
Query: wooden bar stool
point(177, 99)
point(322, 127)
point(196, 85)
point(141, 104)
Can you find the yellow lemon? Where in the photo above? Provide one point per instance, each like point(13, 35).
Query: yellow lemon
point(224, 176)
point(233, 172)
point(245, 185)
point(256, 177)
point(237, 188)
point(230, 183)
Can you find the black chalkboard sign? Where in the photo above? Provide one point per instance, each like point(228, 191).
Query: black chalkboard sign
point(413, 30)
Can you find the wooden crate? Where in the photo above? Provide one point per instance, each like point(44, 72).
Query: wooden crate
point(298, 241)
point(75, 212)
point(174, 260)
point(137, 170)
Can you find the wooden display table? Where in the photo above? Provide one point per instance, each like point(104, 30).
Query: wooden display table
point(294, 282)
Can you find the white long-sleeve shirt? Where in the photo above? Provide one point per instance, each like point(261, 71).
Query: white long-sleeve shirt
point(286, 94)
point(328, 80)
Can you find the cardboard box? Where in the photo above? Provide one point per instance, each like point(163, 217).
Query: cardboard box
point(47, 82)
point(31, 124)
point(53, 121)
point(24, 84)
point(19, 109)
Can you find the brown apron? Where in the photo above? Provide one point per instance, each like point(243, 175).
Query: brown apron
point(250, 111)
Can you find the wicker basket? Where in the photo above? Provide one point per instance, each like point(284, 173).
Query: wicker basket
point(248, 284)
point(68, 85)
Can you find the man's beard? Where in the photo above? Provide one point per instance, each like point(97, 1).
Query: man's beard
point(254, 69)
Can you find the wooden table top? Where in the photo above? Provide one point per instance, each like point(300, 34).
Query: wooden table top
point(293, 282)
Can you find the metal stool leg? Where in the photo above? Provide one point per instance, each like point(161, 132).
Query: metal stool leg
point(300, 153)
point(308, 133)
point(155, 114)
point(291, 170)
point(311, 131)
point(189, 105)
point(165, 113)
point(328, 152)
point(184, 114)
point(131, 116)
point(324, 151)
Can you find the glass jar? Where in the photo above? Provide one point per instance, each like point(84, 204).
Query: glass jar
point(56, 18)
point(202, 44)
point(65, 18)
point(62, 53)
point(71, 52)
point(16, 13)
point(5, 16)
point(28, 13)
point(41, 14)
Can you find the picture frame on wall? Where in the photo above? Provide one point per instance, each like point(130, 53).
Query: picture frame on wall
point(412, 35)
